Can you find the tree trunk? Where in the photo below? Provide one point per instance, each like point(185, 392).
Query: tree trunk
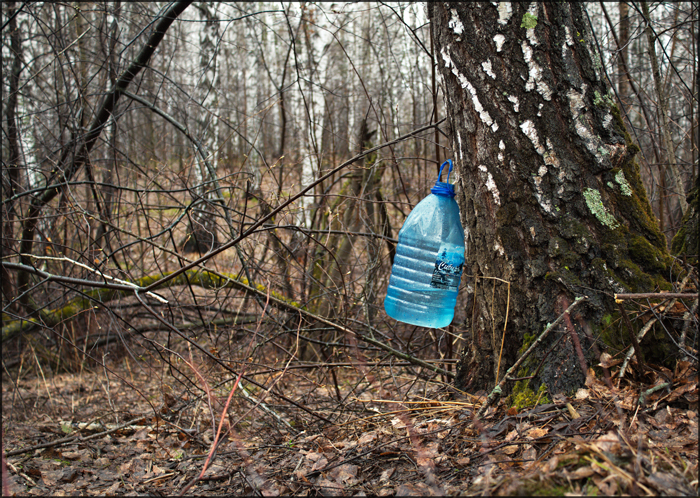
point(550, 196)
point(623, 77)
point(13, 186)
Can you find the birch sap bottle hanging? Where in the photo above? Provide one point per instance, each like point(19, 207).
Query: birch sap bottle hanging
point(429, 259)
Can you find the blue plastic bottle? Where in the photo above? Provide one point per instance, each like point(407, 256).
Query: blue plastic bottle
point(429, 260)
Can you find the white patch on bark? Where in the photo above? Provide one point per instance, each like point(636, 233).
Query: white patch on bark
point(455, 23)
point(551, 159)
point(539, 110)
point(500, 40)
point(499, 248)
point(490, 184)
point(527, 53)
point(545, 203)
point(464, 83)
point(516, 103)
point(529, 130)
point(504, 13)
point(569, 43)
point(535, 74)
point(592, 141)
point(502, 147)
point(459, 145)
point(531, 37)
point(607, 120)
point(488, 69)
point(569, 39)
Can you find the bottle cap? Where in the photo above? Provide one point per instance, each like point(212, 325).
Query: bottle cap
point(444, 188)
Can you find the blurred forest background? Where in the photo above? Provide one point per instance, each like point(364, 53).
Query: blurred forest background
point(256, 122)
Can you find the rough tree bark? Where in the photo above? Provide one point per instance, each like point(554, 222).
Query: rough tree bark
point(549, 192)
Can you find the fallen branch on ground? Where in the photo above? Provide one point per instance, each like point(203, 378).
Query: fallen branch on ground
point(204, 278)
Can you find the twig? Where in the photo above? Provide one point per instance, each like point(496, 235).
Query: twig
point(503, 337)
point(630, 352)
point(214, 444)
point(643, 396)
point(67, 440)
point(317, 472)
point(577, 344)
point(91, 270)
point(655, 295)
point(496, 393)
point(75, 154)
point(682, 350)
point(641, 364)
point(348, 364)
point(277, 416)
point(127, 286)
point(688, 317)
point(5, 480)
point(650, 323)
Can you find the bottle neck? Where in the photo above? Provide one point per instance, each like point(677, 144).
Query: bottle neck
point(443, 189)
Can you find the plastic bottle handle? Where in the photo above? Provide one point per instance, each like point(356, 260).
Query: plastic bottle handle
point(448, 171)
point(444, 188)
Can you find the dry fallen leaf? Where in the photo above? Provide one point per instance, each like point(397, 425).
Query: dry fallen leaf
point(319, 464)
point(581, 473)
point(683, 371)
point(386, 474)
point(408, 489)
point(397, 423)
point(367, 438)
point(669, 484)
point(572, 411)
point(607, 442)
point(345, 474)
point(511, 449)
point(551, 464)
point(607, 361)
point(537, 432)
point(512, 435)
point(529, 453)
point(330, 488)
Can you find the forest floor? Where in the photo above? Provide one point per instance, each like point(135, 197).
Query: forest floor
point(88, 433)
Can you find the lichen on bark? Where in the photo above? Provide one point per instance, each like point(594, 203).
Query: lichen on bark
point(597, 209)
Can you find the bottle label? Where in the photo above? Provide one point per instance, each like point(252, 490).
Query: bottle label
point(448, 271)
